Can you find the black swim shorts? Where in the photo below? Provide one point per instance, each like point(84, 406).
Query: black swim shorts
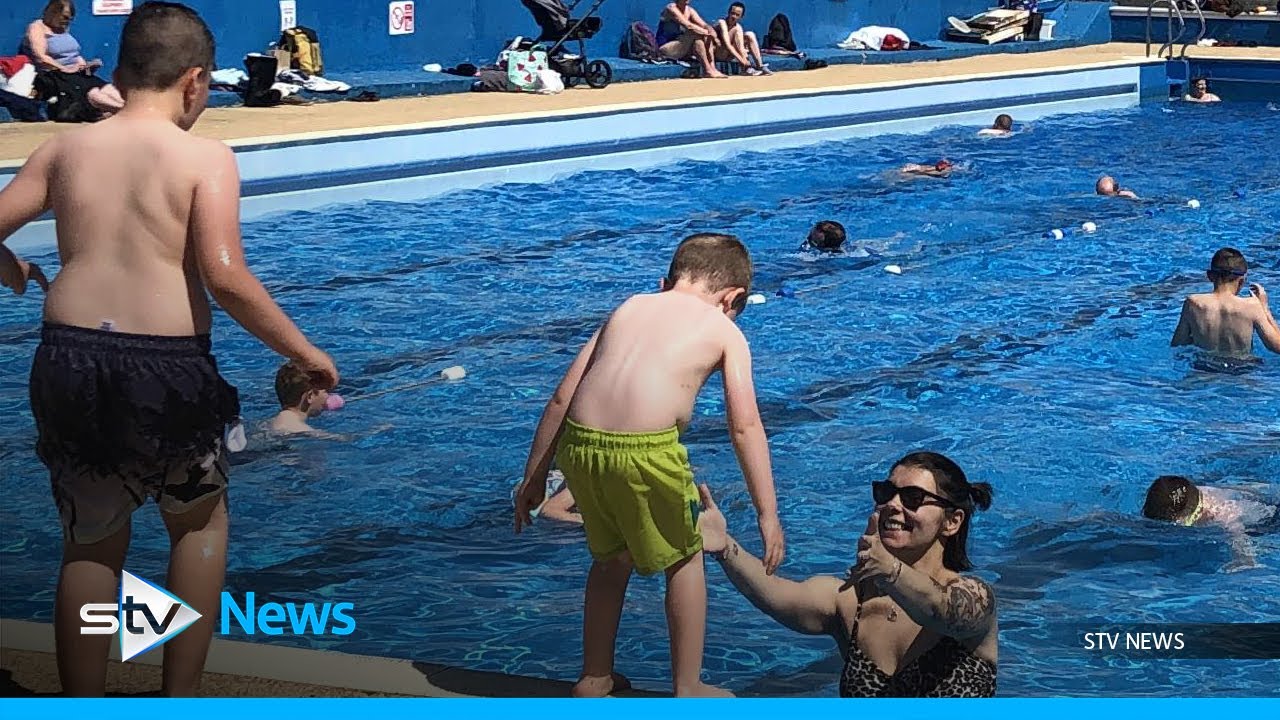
point(121, 418)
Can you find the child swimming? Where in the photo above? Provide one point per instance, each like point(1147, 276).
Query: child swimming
point(616, 419)
point(1221, 321)
point(1175, 499)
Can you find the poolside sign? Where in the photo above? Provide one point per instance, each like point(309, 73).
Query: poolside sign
point(146, 616)
point(400, 20)
point(112, 7)
point(288, 14)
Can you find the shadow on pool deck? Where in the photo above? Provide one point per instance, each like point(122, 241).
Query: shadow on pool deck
point(239, 669)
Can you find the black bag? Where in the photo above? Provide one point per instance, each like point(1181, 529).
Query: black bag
point(262, 75)
point(779, 36)
point(1034, 24)
point(66, 96)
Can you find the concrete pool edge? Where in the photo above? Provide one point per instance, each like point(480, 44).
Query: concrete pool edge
point(321, 668)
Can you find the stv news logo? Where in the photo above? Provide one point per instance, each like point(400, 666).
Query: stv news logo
point(146, 616)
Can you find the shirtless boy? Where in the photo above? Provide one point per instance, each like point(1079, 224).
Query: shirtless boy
point(616, 419)
point(125, 391)
point(1221, 321)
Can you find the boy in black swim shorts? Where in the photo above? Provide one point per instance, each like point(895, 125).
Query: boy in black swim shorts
point(126, 394)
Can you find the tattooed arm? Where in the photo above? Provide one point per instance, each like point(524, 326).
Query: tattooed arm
point(963, 608)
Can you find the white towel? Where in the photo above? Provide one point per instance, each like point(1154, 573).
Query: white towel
point(871, 37)
point(22, 83)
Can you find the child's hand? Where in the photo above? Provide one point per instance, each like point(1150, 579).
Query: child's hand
point(1259, 292)
point(17, 276)
point(529, 497)
point(774, 543)
point(711, 524)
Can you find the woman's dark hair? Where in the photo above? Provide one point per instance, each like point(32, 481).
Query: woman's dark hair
point(953, 485)
point(53, 5)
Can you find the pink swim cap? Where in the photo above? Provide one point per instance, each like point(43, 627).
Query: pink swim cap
point(335, 402)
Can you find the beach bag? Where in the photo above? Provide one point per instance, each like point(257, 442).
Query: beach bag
point(780, 34)
point(523, 67)
point(66, 96)
point(303, 46)
point(639, 43)
point(261, 70)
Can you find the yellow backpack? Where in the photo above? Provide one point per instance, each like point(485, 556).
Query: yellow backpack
point(303, 45)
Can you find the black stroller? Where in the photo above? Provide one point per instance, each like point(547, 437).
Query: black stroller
point(559, 28)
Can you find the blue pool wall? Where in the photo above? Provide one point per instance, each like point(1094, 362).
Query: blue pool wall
point(354, 36)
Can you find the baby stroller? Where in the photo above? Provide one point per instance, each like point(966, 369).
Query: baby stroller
point(559, 28)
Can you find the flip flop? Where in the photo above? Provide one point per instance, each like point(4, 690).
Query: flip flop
point(366, 96)
point(959, 25)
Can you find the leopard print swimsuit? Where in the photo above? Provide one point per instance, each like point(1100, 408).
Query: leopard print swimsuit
point(948, 669)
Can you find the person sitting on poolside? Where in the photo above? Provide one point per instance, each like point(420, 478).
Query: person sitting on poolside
point(52, 48)
point(907, 596)
point(1002, 126)
point(734, 43)
point(1108, 187)
point(827, 236)
point(1200, 92)
point(1175, 499)
point(1221, 321)
point(682, 34)
point(300, 400)
point(940, 169)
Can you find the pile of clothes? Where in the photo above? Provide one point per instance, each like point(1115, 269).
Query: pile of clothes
point(17, 88)
point(267, 84)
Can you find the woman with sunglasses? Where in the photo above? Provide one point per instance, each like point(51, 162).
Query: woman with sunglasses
point(906, 620)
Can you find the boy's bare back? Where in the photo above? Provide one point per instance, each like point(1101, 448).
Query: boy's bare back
point(1223, 324)
point(652, 358)
point(125, 191)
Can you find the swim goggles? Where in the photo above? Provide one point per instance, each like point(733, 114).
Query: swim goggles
point(1226, 271)
point(882, 491)
point(1195, 514)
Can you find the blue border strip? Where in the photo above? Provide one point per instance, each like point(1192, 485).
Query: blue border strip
point(273, 186)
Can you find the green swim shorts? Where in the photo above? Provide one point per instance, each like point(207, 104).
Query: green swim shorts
point(635, 492)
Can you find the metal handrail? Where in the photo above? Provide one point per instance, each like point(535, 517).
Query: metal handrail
point(1170, 41)
point(1200, 36)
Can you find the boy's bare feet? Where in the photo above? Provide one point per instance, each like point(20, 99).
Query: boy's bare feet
point(704, 690)
point(596, 687)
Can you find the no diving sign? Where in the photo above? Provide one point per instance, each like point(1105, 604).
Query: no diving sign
point(401, 18)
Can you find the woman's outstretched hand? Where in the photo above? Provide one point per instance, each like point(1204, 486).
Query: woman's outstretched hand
point(711, 524)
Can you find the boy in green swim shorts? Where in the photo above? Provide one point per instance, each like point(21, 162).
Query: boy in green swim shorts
point(616, 420)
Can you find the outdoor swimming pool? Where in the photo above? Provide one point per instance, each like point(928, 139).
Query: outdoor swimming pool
point(1041, 366)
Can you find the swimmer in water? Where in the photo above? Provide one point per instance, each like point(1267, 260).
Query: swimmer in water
point(1175, 499)
point(940, 169)
point(1200, 92)
point(827, 236)
point(1003, 126)
point(559, 505)
point(300, 400)
point(1108, 187)
point(1221, 321)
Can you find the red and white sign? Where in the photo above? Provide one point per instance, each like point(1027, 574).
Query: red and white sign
point(400, 21)
point(112, 7)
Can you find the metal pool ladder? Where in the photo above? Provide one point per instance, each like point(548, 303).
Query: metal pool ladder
point(1174, 12)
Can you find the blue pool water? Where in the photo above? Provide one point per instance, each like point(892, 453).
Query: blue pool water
point(1043, 367)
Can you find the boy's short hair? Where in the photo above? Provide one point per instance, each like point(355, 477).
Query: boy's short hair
point(291, 384)
point(1228, 264)
point(719, 261)
point(1004, 122)
point(160, 42)
point(830, 235)
point(1171, 498)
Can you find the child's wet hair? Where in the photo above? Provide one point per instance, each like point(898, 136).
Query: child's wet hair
point(1171, 498)
point(1228, 264)
point(719, 261)
point(291, 385)
point(1004, 122)
point(830, 235)
point(160, 42)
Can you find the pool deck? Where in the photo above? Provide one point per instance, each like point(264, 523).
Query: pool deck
point(242, 669)
point(243, 125)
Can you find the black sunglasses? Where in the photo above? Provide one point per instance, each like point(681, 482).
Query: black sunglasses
point(912, 497)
